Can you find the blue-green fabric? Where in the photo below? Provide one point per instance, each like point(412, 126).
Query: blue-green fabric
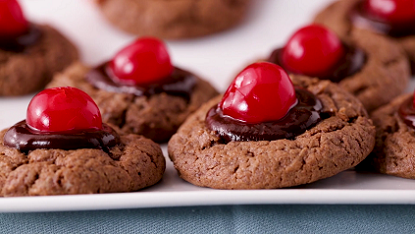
point(220, 219)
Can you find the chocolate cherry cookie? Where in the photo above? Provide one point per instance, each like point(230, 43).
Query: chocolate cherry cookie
point(393, 18)
point(395, 134)
point(174, 19)
point(270, 132)
point(369, 66)
point(139, 90)
point(64, 148)
point(29, 53)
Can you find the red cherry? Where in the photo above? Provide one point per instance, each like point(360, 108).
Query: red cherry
point(63, 109)
point(261, 92)
point(12, 21)
point(313, 50)
point(144, 61)
point(394, 12)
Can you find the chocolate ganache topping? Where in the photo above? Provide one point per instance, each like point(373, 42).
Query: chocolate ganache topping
point(360, 18)
point(305, 114)
point(407, 112)
point(25, 139)
point(351, 63)
point(179, 83)
point(20, 43)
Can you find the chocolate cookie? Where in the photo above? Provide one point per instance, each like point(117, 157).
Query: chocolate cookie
point(394, 150)
point(134, 164)
point(385, 74)
point(337, 16)
point(374, 68)
point(29, 70)
point(156, 116)
point(343, 138)
point(174, 19)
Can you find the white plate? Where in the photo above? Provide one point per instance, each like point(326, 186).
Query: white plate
point(217, 58)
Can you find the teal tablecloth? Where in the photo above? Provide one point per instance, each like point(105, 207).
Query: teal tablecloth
point(220, 219)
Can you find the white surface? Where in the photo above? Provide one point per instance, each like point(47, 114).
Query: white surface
point(217, 58)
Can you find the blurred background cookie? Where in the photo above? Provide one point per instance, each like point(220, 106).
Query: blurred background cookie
point(394, 19)
point(30, 53)
point(174, 19)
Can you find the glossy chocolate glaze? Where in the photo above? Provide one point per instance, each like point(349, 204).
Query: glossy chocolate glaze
point(361, 19)
point(300, 118)
point(24, 138)
point(351, 63)
point(20, 43)
point(407, 112)
point(179, 83)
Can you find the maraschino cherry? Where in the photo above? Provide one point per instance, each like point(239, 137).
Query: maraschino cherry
point(261, 92)
point(12, 20)
point(63, 109)
point(394, 12)
point(313, 50)
point(144, 61)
